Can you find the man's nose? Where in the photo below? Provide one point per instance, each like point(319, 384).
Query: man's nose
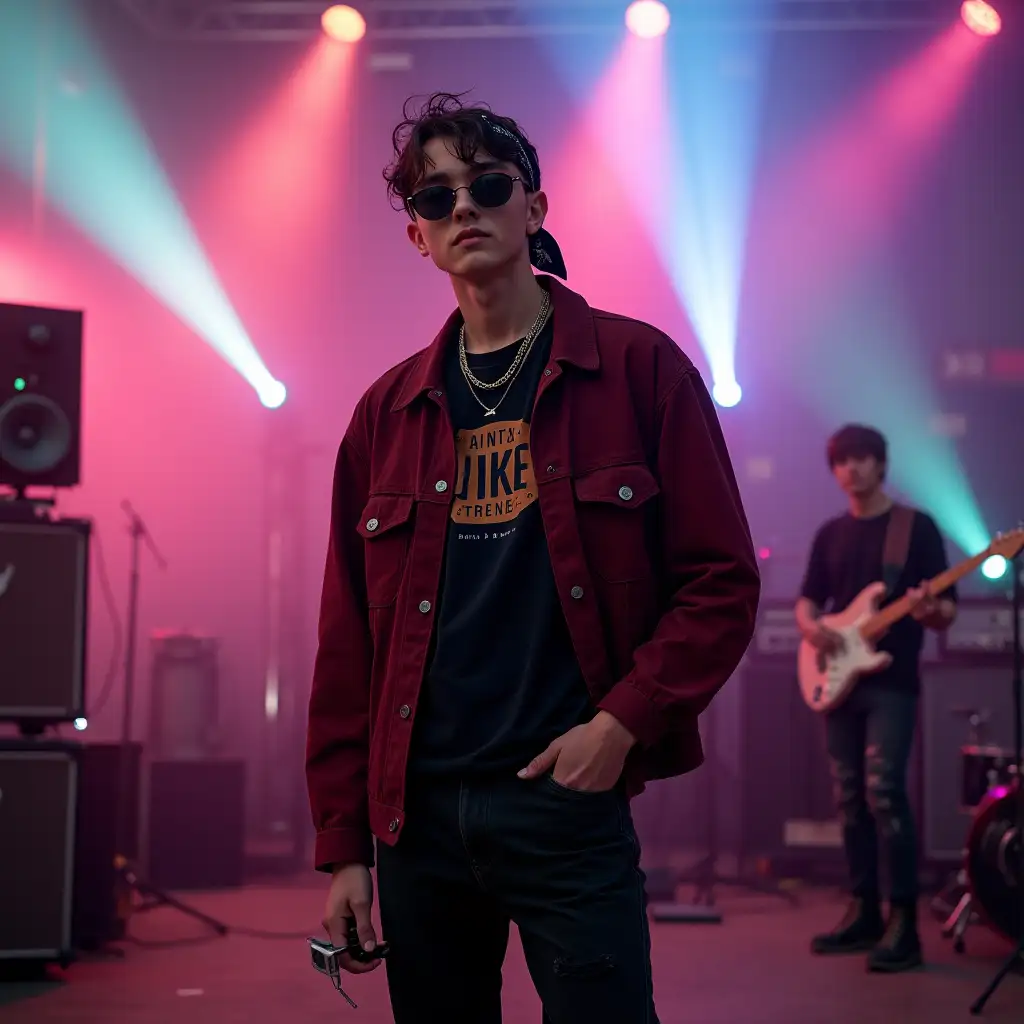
point(464, 205)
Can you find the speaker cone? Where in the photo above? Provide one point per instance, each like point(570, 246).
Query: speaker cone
point(35, 434)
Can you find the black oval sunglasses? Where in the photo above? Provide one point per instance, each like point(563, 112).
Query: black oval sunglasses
point(490, 190)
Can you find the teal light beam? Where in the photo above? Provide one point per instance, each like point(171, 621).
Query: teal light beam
point(102, 172)
point(859, 362)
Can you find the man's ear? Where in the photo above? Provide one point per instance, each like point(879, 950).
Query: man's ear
point(536, 211)
point(416, 237)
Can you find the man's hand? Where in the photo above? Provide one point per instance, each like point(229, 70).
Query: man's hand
point(824, 639)
point(351, 896)
point(930, 611)
point(588, 758)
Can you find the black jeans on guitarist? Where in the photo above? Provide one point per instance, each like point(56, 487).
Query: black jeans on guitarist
point(869, 741)
point(480, 853)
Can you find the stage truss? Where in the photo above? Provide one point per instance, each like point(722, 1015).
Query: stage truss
point(263, 21)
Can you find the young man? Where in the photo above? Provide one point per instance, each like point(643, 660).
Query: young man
point(870, 734)
point(539, 574)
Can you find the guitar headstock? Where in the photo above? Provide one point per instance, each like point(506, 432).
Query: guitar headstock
point(1008, 545)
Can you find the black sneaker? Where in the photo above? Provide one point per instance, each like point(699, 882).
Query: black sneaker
point(900, 947)
point(860, 930)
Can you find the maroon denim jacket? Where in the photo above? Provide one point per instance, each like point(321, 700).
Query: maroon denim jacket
point(649, 544)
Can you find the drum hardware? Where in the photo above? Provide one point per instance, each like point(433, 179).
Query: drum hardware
point(987, 888)
point(995, 860)
point(983, 769)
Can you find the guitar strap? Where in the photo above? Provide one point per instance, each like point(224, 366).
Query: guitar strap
point(897, 545)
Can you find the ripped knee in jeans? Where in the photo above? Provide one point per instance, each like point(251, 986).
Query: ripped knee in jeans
point(887, 794)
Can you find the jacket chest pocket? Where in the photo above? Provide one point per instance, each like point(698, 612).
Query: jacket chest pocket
point(386, 529)
point(613, 511)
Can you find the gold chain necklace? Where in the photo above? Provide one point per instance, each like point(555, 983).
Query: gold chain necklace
point(538, 324)
point(520, 361)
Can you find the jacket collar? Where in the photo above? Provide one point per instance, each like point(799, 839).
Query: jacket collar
point(574, 342)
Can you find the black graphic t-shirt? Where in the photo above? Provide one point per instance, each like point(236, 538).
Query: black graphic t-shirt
point(503, 680)
point(847, 556)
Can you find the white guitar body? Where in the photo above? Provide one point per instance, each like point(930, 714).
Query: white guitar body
point(827, 680)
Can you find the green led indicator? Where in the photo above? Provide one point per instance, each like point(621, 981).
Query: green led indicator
point(19, 383)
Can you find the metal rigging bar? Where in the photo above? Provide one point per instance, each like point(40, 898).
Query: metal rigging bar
point(290, 20)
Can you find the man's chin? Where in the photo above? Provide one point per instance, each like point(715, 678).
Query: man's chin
point(473, 266)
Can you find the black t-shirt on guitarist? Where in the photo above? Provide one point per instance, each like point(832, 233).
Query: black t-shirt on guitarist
point(846, 556)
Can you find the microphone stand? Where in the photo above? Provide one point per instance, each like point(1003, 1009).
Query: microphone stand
point(1016, 958)
point(131, 881)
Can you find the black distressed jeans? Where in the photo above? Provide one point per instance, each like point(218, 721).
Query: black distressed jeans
point(869, 741)
point(564, 866)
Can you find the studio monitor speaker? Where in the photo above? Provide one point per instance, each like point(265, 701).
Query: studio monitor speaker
point(40, 396)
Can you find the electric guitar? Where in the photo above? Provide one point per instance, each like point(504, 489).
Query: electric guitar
point(826, 680)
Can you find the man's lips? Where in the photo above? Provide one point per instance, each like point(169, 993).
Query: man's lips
point(467, 234)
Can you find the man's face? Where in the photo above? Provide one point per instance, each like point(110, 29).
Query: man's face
point(859, 475)
point(474, 242)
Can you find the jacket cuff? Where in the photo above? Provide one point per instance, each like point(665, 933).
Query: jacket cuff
point(342, 846)
point(637, 713)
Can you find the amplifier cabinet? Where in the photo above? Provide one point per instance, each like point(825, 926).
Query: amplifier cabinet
point(96, 920)
point(38, 796)
point(44, 573)
point(948, 692)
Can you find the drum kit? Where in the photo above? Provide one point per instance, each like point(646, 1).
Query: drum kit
point(990, 879)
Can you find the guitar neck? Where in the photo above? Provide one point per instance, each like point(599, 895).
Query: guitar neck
point(891, 614)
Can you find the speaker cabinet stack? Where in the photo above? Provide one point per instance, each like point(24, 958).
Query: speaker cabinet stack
point(43, 594)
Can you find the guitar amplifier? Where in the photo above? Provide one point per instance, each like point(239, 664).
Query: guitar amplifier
point(44, 573)
point(776, 634)
point(949, 692)
point(981, 628)
point(38, 797)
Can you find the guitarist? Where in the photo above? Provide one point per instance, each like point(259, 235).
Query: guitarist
point(869, 735)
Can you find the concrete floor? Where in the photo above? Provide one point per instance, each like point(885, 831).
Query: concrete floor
point(752, 969)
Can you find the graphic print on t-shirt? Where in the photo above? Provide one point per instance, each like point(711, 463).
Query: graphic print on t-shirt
point(494, 479)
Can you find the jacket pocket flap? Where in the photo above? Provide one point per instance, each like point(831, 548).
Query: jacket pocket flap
point(384, 512)
point(627, 486)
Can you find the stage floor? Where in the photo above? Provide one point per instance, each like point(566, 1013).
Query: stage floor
point(752, 969)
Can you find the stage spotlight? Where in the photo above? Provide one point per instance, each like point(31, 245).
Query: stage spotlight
point(343, 24)
point(273, 394)
point(994, 567)
point(648, 18)
point(81, 724)
point(981, 17)
point(727, 393)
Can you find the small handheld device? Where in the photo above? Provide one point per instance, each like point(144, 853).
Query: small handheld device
point(325, 956)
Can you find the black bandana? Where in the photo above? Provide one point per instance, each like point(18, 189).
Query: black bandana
point(544, 251)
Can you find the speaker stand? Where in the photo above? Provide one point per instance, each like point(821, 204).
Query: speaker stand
point(18, 508)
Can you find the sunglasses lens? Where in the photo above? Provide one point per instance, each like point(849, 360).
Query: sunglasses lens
point(434, 203)
point(490, 190)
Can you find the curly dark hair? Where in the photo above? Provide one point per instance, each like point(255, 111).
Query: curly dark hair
point(467, 129)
